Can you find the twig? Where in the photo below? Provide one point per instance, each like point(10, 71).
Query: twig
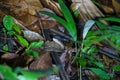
point(40, 24)
point(109, 54)
point(16, 22)
point(61, 34)
point(58, 62)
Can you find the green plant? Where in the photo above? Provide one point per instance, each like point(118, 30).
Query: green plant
point(34, 45)
point(90, 38)
point(20, 74)
point(68, 22)
point(14, 30)
point(109, 33)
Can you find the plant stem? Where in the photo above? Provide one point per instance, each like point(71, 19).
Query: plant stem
point(80, 72)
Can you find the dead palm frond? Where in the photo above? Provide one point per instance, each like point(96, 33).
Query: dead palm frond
point(87, 9)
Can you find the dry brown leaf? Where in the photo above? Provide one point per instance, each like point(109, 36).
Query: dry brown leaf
point(44, 62)
point(15, 60)
point(116, 6)
point(87, 9)
point(109, 62)
point(23, 10)
point(9, 56)
point(44, 20)
point(45, 23)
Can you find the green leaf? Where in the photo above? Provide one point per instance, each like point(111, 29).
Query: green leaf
point(114, 19)
point(11, 33)
point(118, 44)
point(8, 22)
point(102, 74)
point(68, 23)
point(36, 44)
point(32, 52)
point(101, 25)
point(116, 68)
point(87, 27)
point(92, 50)
point(68, 16)
point(76, 13)
point(17, 29)
point(99, 64)
point(5, 48)
point(59, 19)
point(22, 40)
point(114, 28)
point(82, 62)
point(7, 73)
point(34, 75)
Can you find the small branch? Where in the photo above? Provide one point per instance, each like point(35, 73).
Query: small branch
point(109, 54)
point(16, 22)
point(40, 24)
point(58, 62)
point(61, 34)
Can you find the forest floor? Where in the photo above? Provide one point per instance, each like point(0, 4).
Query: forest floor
point(59, 40)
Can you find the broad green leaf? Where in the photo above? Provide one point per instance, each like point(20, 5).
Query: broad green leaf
point(22, 40)
point(68, 16)
point(87, 27)
point(116, 68)
point(102, 74)
point(118, 43)
point(34, 75)
point(8, 22)
point(82, 62)
point(114, 28)
point(114, 19)
point(17, 29)
point(32, 52)
point(7, 73)
point(5, 48)
point(92, 50)
point(101, 25)
point(59, 19)
point(99, 64)
point(36, 44)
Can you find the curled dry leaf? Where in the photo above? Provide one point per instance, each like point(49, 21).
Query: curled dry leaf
point(9, 56)
point(44, 62)
point(32, 36)
point(54, 45)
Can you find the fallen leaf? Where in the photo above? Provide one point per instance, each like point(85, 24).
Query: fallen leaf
point(23, 10)
point(44, 62)
point(9, 56)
